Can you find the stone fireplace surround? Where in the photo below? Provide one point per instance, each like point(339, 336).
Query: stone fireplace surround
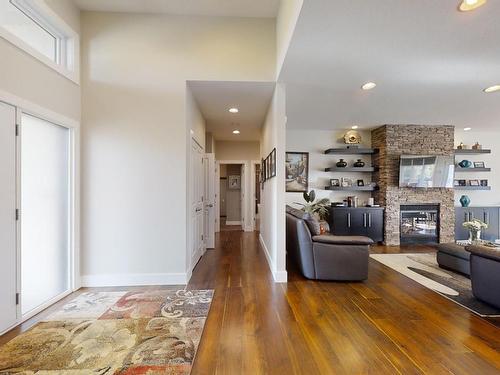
point(394, 140)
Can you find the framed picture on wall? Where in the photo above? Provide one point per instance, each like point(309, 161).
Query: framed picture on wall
point(273, 162)
point(234, 182)
point(296, 171)
point(268, 166)
point(262, 170)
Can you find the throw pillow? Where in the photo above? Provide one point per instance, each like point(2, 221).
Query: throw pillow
point(313, 224)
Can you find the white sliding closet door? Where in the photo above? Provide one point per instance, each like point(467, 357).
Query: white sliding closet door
point(8, 308)
point(45, 196)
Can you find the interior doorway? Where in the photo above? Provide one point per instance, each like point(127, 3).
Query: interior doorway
point(231, 190)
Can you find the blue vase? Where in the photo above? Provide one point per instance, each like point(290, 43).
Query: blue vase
point(465, 164)
point(464, 201)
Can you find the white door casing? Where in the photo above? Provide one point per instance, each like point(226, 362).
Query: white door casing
point(8, 249)
point(217, 196)
point(197, 191)
point(209, 217)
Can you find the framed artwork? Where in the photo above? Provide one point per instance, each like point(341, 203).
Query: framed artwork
point(484, 182)
point(263, 170)
point(296, 171)
point(461, 183)
point(479, 164)
point(273, 162)
point(360, 183)
point(474, 183)
point(268, 166)
point(234, 182)
point(335, 182)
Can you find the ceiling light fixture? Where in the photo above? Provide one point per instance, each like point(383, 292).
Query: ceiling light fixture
point(233, 110)
point(468, 5)
point(369, 86)
point(236, 132)
point(354, 127)
point(492, 89)
point(467, 129)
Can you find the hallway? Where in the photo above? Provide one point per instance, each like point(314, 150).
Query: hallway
point(389, 324)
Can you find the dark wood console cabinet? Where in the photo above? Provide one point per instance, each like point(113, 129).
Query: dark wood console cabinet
point(360, 221)
point(489, 215)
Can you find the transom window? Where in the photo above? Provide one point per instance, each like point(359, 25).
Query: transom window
point(32, 27)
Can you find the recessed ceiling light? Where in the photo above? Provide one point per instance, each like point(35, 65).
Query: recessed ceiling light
point(233, 110)
point(492, 89)
point(467, 129)
point(236, 132)
point(467, 5)
point(369, 86)
point(354, 127)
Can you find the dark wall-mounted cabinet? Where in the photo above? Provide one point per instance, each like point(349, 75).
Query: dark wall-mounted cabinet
point(489, 215)
point(361, 221)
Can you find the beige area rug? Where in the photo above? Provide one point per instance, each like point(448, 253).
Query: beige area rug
point(146, 332)
point(424, 269)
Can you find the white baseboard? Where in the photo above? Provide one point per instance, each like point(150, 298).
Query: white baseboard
point(233, 222)
point(134, 279)
point(278, 276)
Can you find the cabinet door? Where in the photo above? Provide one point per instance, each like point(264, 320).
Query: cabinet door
point(461, 216)
point(375, 225)
point(341, 222)
point(490, 217)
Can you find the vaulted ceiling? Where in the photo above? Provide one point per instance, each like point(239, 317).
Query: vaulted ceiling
point(430, 62)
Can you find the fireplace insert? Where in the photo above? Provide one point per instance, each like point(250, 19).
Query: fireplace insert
point(419, 224)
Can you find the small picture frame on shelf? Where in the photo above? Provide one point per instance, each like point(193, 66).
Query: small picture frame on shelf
point(474, 183)
point(335, 182)
point(346, 182)
point(360, 183)
point(461, 183)
point(483, 182)
point(479, 164)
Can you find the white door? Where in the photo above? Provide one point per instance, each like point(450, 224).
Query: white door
point(209, 219)
point(197, 191)
point(242, 197)
point(45, 197)
point(8, 308)
point(217, 196)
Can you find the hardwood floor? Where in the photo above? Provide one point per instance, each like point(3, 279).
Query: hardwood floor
point(388, 324)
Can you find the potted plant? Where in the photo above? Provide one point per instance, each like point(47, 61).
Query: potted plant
point(318, 208)
point(475, 227)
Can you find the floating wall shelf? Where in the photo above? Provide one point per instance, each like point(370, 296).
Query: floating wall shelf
point(351, 151)
point(472, 187)
point(458, 169)
point(471, 152)
point(351, 188)
point(350, 169)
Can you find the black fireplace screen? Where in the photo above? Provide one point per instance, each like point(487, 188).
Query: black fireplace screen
point(419, 223)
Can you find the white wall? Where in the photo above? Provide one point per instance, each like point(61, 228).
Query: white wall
point(272, 216)
point(194, 119)
point(489, 140)
point(134, 151)
point(288, 15)
point(237, 150)
point(31, 80)
point(316, 142)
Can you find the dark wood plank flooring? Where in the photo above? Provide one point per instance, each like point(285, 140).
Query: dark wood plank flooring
point(386, 325)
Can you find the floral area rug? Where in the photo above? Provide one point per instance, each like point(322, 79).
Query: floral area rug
point(144, 332)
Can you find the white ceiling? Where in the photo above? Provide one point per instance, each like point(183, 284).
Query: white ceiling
point(230, 8)
point(430, 62)
point(215, 98)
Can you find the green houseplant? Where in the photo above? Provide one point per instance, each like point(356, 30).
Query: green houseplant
point(312, 207)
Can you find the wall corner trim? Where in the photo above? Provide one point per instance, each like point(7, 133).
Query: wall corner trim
point(278, 276)
point(134, 279)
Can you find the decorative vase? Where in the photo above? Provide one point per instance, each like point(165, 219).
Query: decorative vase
point(475, 236)
point(359, 164)
point(464, 201)
point(465, 164)
point(341, 163)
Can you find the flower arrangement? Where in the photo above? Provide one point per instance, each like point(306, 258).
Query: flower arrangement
point(475, 225)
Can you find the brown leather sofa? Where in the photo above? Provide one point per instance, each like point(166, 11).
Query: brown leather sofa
point(485, 274)
point(325, 257)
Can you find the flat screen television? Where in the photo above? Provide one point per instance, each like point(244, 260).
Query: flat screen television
point(426, 171)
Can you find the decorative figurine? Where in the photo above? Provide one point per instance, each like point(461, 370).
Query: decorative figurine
point(477, 146)
point(341, 163)
point(352, 137)
point(461, 146)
